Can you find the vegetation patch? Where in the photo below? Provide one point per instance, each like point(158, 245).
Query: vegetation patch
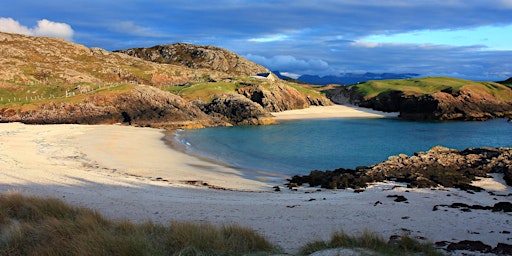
point(35, 226)
point(403, 245)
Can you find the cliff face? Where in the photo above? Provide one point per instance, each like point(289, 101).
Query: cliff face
point(280, 97)
point(472, 102)
point(194, 56)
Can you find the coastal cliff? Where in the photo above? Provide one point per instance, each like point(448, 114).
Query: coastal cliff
point(47, 80)
point(438, 98)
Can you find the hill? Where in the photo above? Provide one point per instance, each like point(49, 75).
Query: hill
point(431, 98)
point(47, 80)
point(195, 56)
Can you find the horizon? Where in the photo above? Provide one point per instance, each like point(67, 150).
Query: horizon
point(462, 39)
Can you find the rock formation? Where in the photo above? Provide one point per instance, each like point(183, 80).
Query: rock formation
point(280, 97)
point(437, 167)
point(236, 109)
point(194, 56)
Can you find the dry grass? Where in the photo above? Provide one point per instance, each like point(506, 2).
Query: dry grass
point(374, 242)
point(35, 226)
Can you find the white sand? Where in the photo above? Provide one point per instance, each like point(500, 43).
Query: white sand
point(108, 168)
point(334, 111)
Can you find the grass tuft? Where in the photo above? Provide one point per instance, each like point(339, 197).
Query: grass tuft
point(369, 240)
point(35, 226)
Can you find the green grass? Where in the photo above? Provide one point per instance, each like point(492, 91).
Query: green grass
point(372, 241)
point(35, 226)
point(30, 96)
point(429, 85)
point(204, 91)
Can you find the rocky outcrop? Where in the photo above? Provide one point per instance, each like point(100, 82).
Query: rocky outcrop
point(236, 109)
point(437, 167)
point(280, 97)
point(143, 106)
point(194, 56)
point(465, 104)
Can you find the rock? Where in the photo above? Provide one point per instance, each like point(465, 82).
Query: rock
point(466, 245)
point(280, 97)
point(437, 167)
point(237, 110)
point(502, 207)
point(398, 198)
point(502, 249)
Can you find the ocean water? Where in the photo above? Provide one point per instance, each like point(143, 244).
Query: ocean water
point(297, 147)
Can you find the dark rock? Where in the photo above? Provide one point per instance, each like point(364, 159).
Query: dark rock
point(398, 198)
point(437, 167)
point(502, 249)
point(236, 109)
point(466, 245)
point(502, 207)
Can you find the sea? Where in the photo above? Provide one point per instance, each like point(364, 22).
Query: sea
point(299, 146)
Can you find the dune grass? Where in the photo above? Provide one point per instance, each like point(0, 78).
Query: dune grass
point(35, 226)
point(31, 225)
point(369, 240)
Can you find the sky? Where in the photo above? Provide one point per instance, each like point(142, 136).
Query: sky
point(469, 39)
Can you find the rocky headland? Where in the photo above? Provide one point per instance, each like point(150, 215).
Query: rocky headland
point(431, 98)
point(438, 166)
point(48, 81)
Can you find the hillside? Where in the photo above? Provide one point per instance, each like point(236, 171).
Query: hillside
point(194, 56)
point(47, 80)
point(431, 98)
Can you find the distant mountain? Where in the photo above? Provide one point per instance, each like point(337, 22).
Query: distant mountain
point(353, 78)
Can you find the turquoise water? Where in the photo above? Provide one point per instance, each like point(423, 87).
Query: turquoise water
point(297, 147)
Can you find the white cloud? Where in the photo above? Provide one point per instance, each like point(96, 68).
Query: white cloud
point(287, 63)
point(365, 44)
point(44, 28)
point(131, 28)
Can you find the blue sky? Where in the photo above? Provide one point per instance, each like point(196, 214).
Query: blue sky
point(460, 38)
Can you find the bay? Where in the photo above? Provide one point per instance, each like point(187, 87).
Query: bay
point(297, 147)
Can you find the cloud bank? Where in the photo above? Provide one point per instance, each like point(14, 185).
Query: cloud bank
point(44, 27)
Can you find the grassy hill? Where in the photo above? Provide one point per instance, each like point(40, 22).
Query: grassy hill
point(430, 85)
point(41, 75)
point(430, 98)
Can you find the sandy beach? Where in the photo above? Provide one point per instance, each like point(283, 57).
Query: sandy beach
point(130, 173)
point(334, 111)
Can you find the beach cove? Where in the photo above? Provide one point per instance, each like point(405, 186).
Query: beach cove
point(130, 173)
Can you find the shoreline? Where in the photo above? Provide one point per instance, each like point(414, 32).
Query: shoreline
point(130, 173)
point(333, 111)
